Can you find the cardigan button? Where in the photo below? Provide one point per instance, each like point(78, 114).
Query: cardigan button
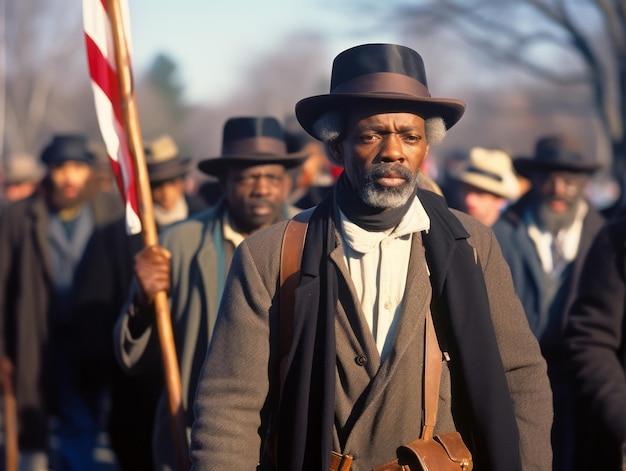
point(361, 360)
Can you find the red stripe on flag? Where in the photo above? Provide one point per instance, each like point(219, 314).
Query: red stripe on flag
point(105, 78)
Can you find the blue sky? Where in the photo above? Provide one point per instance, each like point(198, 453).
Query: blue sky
point(212, 41)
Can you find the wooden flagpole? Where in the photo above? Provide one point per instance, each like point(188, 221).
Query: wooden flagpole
point(11, 450)
point(146, 214)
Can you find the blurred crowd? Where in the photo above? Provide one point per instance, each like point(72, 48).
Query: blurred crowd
point(76, 330)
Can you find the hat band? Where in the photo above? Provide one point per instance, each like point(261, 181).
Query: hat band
point(255, 145)
point(559, 157)
point(485, 173)
point(383, 82)
point(168, 166)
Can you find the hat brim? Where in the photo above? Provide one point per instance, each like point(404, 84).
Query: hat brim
point(310, 109)
point(526, 167)
point(216, 166)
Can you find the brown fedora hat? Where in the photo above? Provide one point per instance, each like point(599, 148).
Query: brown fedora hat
point(556, 153)
point(251, 141)
point(163, 160)
point(388, 76)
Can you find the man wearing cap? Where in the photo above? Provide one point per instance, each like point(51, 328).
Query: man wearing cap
point(544, 238)
point(488, 184)
point(102, 286)
point(379, 256)
point(42, 241)
point(194, 256)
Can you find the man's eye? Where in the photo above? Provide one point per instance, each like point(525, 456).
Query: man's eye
point(412, 138)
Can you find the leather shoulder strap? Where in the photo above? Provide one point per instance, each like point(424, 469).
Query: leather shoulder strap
point(432, 377)
point(290, 258)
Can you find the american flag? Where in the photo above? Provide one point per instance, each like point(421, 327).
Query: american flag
point(106, 89)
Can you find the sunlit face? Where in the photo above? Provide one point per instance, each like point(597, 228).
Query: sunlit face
point(18, 191)
point(382, 155)
point(255, 196)
point(69, 182)
point(483, 205)
point(166, 194)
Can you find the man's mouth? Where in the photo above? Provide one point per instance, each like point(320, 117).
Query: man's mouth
point(390, 181)
point(559, 206)
point(261, 209)
point(70, 191)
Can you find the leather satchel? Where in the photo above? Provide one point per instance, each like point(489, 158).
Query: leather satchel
point(443, 452)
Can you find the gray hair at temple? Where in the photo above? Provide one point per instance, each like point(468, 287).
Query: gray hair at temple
point(328, 127)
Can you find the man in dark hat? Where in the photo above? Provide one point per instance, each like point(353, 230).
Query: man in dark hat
point(379, 256)
point(102, 287)
point(42, 241)
point(193, 258)
point(544, 238)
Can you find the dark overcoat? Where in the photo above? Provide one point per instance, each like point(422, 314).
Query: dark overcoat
point(26, 301)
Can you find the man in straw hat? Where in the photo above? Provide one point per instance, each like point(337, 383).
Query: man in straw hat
point(379, 256)
point(102, 286)
point(193, 258)
point(488, 184)
point(166, 171)
point(545, 237)
point(22, 174)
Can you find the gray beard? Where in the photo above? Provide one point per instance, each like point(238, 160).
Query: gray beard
point(378, 196)
point(554, 222)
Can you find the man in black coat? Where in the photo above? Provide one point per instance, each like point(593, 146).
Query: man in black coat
point(42, 241)
point(544, 238)
point(595, 339)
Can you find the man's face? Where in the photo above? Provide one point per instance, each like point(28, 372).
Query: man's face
point(18, 191)
point(382, 155)
point(166, 194)
point(69, 183)
point(255, 196)
point(481, 204)
point(555, 197)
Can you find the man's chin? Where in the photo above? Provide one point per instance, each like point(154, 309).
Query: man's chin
point(60, 202)
point(387, 197)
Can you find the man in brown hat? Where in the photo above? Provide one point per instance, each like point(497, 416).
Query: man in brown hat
point(545, 237)
point(379, 256)
point(42, 242)
point(193, 258)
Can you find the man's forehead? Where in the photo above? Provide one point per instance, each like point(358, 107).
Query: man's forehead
point(562, 173)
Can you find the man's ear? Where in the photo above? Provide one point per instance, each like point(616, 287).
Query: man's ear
point(334, 147)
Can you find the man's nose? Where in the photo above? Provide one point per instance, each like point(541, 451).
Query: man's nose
point(262, 185)
point(391, 149)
